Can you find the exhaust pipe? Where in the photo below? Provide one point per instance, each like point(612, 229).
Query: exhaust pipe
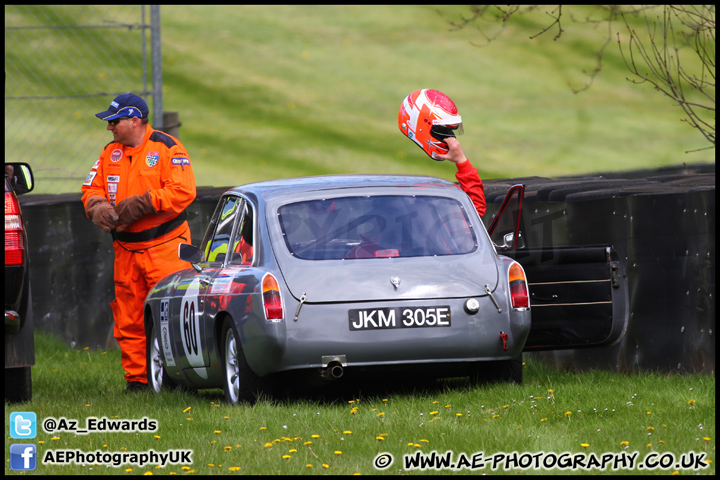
point(333, 371)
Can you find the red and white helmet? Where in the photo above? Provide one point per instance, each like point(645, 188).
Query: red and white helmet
point(427, 117)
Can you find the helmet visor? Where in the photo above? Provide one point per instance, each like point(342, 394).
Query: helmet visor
point(443, 131)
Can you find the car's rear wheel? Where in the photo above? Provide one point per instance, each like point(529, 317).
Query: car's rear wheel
point(239, 381)
point(501, 371)
point(156, 374)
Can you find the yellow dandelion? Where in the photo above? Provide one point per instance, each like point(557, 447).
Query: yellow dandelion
point(128, 469)
point(424, 440)
point(307, 443)
point(543, 419)
point(228, 448)
point(268, 444)
point(707, 439)
point(185, 468)
point(661, 441)
point(234, 469)
point(315, 436)
point(263, 428)
point(496, 416)
point(308, 465)
point(325, 465)
point(212, 465)
point(380, 438)
point(292, 450)
point(550, 391)
point(651, 428)
point(187, 409)
point(384, 399)
point(410, 444)
point(87, 404)
point(226, 417)
point(624, 443)
point(649, 445)
point(649, 413)
point(417, 445)
point(381, 414)
point(351, 401)
point(506, 406)
point(584, 445)
point(217, 431)
point(458, 414)
point(567, 414)
point(55, 438)
point(675, 473)
point(338, 452)
point(157, 437)
point(286, 457)
point(691, 402)
point(434, 413)
point(347, 432)
point(448, 406)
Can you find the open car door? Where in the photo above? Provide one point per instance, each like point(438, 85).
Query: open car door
point(578, 295)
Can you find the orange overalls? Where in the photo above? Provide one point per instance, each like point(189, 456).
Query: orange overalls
point(148, 249)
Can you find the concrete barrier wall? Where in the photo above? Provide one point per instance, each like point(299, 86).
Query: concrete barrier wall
point(662, 223)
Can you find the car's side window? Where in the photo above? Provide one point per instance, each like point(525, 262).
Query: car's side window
point(244, 239)
point(215, 245)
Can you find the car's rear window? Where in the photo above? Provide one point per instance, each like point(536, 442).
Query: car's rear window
point(376, 227)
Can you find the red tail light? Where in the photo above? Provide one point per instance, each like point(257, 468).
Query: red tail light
point(518, 286)
point(14, 241)
point(272, 302)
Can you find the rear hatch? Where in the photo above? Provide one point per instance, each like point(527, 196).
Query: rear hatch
point(382, 247)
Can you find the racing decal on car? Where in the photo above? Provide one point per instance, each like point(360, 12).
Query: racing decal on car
point(190, 322)
point(116, 155)
point(165, 333)
point(89, 179)
point(221, 284)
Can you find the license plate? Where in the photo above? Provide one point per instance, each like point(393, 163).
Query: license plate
point(398, 317)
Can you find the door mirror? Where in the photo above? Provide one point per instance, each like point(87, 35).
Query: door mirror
point(190, 253)
point(20, 176)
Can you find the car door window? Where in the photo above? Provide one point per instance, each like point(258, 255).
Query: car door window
point(215, 245)
point(243, 250)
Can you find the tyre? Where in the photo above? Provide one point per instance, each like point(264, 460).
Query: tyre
point(156, 374)
point(18, 385)
point(501, 371)
point(239, 382)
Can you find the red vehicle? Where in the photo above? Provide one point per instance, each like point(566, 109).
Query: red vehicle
point(19, 340)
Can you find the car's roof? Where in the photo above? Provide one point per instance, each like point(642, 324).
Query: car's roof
point(275, 188)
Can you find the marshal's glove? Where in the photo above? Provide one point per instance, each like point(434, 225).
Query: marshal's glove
point(101, 213)
point(133, 208)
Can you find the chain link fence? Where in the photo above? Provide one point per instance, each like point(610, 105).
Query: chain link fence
point(63, 64)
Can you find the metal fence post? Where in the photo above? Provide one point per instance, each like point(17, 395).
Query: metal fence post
point(158, 121)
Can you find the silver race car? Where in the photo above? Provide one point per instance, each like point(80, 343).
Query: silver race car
point(333, 274)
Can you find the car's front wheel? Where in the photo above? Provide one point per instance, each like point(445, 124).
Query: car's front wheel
point(239, 381)
point(156, 374)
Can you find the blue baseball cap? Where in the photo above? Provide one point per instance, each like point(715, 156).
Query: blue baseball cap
point(125, 105)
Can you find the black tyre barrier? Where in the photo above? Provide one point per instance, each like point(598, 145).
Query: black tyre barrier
point(661, 223)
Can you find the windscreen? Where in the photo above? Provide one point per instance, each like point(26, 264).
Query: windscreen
point(376, 227)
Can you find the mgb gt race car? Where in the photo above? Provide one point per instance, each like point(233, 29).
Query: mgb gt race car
point(335, 274)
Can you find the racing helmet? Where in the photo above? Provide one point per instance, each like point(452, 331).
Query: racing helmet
point(427, 117)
